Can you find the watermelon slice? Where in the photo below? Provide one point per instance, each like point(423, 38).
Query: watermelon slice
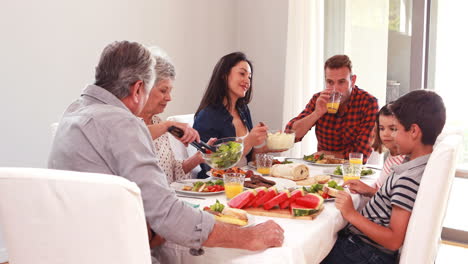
point(272, 192)
point(294, 195)
point(260, 192)
point(310, 200)
point(281, 197)
point(242, 199)
point(299, 210)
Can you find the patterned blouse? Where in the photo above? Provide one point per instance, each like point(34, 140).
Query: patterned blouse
point(166, 160)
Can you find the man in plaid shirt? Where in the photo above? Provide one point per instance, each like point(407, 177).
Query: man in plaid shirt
point(350, 128)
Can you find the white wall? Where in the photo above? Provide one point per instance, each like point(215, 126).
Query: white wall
point(261, 32)
point(50, 48)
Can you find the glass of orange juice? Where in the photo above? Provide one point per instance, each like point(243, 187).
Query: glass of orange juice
point(334, 102)
point(264, 162)
point(351, 171)
point(233, 184)
point(355, 158)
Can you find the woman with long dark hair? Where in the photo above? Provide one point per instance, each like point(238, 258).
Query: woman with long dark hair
point(223, 110)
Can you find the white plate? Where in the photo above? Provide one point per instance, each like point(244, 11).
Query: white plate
point(330, 172)
point(178, 185)
point(280, 182)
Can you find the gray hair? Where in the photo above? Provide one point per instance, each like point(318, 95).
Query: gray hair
point(122, 64)
point(164, 67)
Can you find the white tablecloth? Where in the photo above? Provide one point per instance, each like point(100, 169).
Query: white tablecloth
point(305, 241)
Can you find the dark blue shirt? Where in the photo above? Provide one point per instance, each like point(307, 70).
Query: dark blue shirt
point(215, 121)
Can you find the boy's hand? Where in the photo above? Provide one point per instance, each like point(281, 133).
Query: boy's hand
point(344, 203)
point(357, 186)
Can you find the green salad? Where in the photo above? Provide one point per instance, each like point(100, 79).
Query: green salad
point(317, 188)
point(226, 155)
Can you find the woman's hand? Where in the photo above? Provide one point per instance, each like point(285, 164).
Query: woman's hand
point(257, 135)
point(190, 134)
point(357, 186)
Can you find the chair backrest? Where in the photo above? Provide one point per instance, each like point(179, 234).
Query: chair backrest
point(425, 226)
point(180, 151)
point(53, 216)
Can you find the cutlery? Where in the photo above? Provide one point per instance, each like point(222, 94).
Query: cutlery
point(201, 146)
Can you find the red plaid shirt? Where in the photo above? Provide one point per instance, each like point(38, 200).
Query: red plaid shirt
point(348, 131)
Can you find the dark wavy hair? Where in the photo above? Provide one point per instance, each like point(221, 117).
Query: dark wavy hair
point(218, 88)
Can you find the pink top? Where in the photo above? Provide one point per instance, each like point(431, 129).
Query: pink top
point(387, 168)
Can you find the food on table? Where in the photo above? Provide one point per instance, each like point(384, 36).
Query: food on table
point(242, 199)
point(220, 173)
point(260, 192)
point(332, 188)
point(258, 181)
point(272, 192)
point(227, 215)
point(202, 186)
point(294, 195)
point(308, 204)
point(275, 161)
point(281, 197)
point(308, 181)
point(226, 155)
point(293, 171)
point(322, 191)
point(236, 213)
point(314, 157)
point(217, 207)
point(280, 140)
point(323, 159)
point(364, 171)
point(322, 179)
point(299, 202)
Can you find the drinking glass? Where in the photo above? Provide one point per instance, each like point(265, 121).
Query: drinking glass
point(334, 102)
point(351, 171)
point(233, 184)
point(264, 162)
point(355, 158)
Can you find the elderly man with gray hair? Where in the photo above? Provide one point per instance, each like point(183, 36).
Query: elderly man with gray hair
point(101, 133)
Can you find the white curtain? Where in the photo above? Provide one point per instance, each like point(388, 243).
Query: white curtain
point(304, 64)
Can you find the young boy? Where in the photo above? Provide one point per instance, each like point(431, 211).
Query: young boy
point(376, 233)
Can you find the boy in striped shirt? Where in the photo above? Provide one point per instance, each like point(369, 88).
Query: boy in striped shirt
point(375, 234)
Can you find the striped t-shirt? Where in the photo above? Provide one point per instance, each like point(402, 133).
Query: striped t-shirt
point(386, 170)
point(400, 189)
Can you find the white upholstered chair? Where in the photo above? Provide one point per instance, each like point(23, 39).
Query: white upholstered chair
point(53, 216)
point(425, 226)
point(180, 151)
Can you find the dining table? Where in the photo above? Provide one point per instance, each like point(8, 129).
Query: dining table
point(305, 241)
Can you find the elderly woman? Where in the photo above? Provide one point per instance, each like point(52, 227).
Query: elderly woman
point(158, 99)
